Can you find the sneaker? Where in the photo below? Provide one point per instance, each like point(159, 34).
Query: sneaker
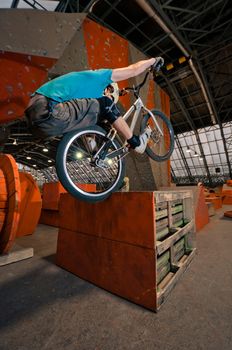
point(144, 137)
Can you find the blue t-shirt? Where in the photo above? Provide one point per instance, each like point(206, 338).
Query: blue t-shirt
point(84, 84)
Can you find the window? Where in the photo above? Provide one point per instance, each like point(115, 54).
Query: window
point(214, 152)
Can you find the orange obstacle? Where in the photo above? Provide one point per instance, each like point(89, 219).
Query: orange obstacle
point(49, 217)
point(51, 195)
point(121, 249)
point(227, 196)
point(51, 198)
point(3, 199)
point(216, 200)
point(10, 201)
point(31, 203)
point(201, 210)
point(50, 205)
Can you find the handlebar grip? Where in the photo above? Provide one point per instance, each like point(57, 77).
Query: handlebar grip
point(125, 91)
point(158, 64)
point(122, 92)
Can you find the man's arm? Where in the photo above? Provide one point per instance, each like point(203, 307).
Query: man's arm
point(132, 70)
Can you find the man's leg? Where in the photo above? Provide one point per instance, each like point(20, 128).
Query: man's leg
point(109, 111)
point(138, 143)
point(121, 126)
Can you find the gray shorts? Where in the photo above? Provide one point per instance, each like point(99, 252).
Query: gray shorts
point(46, 118)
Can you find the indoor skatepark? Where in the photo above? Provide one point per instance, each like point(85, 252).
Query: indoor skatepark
point(149, 266)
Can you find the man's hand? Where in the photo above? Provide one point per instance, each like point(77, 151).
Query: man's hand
point(159, 62)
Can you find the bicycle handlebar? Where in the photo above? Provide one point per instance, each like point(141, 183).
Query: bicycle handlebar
point(153, 69)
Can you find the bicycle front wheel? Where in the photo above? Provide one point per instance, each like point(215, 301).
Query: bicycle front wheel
point(79, 174)
point(159, 147)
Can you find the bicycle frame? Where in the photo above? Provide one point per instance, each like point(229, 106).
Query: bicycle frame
point(137, 106)
point(123, 151)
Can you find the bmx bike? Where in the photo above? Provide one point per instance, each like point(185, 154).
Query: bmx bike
point(90, 162)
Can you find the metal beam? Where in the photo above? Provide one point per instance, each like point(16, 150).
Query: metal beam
point(14, 4)
point(89, 8)
point(62, 6)
point(173, 175)
point(112, 7)
point(194, 30)
point(183, 158)
point(180, 9)
point(219, 14)
point(32, 3)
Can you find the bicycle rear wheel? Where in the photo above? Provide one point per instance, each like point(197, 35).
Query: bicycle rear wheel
point(79, 174)
point(159, 147)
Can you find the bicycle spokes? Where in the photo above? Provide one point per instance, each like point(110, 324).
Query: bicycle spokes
point(86, 166)
point(161, 142)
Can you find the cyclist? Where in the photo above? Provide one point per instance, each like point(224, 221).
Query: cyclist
point(80, 99)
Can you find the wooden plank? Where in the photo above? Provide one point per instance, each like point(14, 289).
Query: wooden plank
point(179, 245)
point(163, 260)
point(162, 196)
point(177, 209)
point(163, 272)
point(161, 224)
point(162, 246)
point(183, 259)
point(177, 217)
point(165, 281)
point(187, 258)
point(160, 206)
point(172, 280)
point(16, 254)
point(162, 234)
point(179, 254)
point(159, 214)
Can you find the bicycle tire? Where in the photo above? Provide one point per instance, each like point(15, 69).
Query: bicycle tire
point(150, 152)
point(63, 172)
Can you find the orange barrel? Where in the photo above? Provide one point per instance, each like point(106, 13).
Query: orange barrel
point(3, 199)
point(30, 205)
point(10, 201)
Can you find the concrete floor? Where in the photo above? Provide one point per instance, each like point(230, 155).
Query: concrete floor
point(44, 307)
